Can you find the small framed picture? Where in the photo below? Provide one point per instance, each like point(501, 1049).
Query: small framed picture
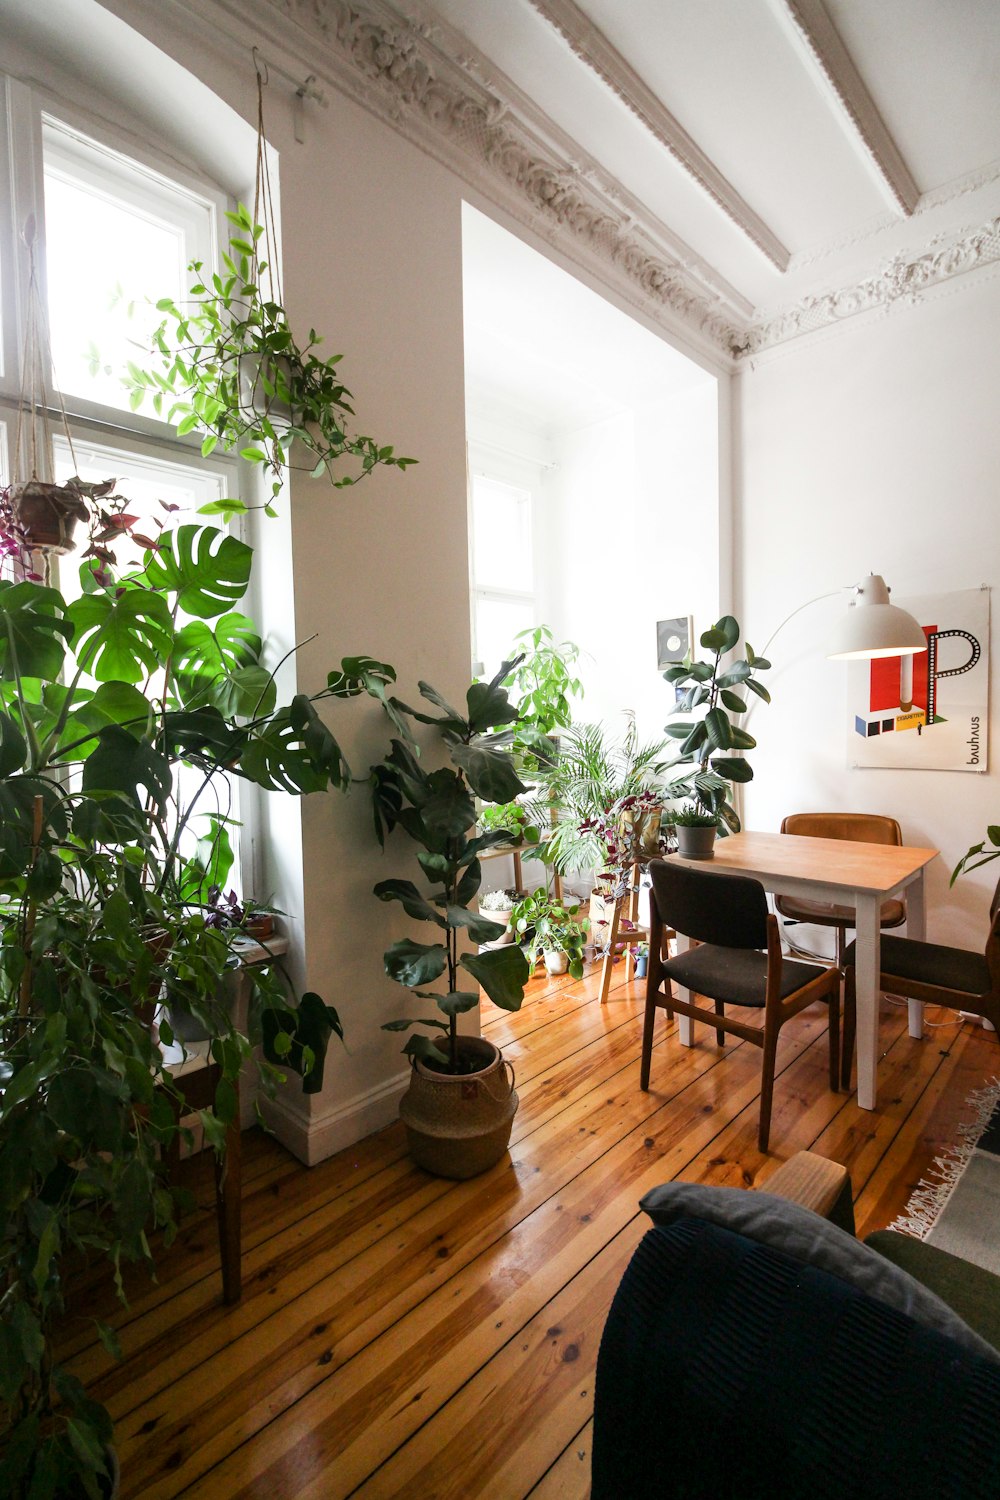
point(673, 640)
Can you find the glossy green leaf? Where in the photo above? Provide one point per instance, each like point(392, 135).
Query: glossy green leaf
point(415, 964)
point(502, 972)
point(205, 569)
point(732, 768)
point(121, 636)
point(406, 893)
point(717, 729)
point(491, 773)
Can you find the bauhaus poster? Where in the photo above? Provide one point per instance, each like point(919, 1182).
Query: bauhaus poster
point(930, 711)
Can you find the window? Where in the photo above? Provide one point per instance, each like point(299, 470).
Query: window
point(113, 234)
point(503, 591)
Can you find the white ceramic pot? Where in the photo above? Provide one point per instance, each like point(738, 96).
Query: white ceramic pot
point(556, 962)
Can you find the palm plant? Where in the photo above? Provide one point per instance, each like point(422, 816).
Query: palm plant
point(593, 773)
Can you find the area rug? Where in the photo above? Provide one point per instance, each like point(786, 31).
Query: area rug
point(957, 1206)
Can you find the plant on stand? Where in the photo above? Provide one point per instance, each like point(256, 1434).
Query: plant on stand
point(460, 1105)
point(706, 742)
point(549, 929)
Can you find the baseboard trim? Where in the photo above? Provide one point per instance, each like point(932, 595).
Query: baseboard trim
point(313, 1139)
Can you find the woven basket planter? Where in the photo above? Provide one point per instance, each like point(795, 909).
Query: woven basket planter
point(459, 1125)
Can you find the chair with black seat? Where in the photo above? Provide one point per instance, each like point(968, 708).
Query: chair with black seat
point(727, 916)
point(862, 828)
point(961, 978)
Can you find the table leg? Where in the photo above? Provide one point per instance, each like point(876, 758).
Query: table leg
point(868, 909)
point(685, 1025)
point(915, 928)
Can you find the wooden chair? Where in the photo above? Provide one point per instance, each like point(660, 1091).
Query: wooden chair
point(864, 828)
point(957, 977)
point(727, 915)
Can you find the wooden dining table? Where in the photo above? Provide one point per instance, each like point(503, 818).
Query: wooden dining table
point(845, 873)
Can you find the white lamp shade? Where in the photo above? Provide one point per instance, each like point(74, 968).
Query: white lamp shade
point(874, 627)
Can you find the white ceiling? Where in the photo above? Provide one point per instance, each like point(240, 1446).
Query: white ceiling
point(788, 147)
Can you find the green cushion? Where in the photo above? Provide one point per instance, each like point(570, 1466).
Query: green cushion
point(968, 1290)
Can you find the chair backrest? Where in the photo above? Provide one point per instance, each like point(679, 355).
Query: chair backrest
point(729, 910)
point(862, 828)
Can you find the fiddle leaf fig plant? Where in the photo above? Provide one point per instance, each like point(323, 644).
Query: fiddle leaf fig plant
point(436, 807)
point(227, 365)
point(708, 742)
point(979, 854)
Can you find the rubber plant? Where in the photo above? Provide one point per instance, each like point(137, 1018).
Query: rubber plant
point(436, 807)
point(707, 743)
point(101, 701)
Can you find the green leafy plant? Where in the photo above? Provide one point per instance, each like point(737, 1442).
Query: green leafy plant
point(230, 368)
point(512, 818)
point(692, 816)
point(437, 809)
point(543, 684)
point(102, 700)
point(978, 854)
point(544, 925)
point(706, 742)
point(594, 774)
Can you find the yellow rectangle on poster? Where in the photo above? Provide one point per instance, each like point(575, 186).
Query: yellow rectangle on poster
point(911, 721)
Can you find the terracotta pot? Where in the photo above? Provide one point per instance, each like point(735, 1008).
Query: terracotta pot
point(259, 927)
point(48, 513)
point(458, 1125)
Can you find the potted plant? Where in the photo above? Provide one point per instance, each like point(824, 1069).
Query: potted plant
point(230, 368)
point(705, 742)
point(512, 817)
point(101, 700)
point(498, 906)
point(978, 854)
point(543, 684)
point(460, 1103)
point(640, 957)
point(696, 830)
point(549, 930)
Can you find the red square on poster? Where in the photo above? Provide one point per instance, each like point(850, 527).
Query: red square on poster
point(885, 672)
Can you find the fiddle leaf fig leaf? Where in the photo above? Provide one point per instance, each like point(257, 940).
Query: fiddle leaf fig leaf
point(491, 773)
point(480, 929)
point(414, 964)
point(489, 707)
point(502, 972)
point(406, 893)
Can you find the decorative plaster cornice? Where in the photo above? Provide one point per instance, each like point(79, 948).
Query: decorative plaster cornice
point(903, 279)
point(596, 52)
point(432, 86)
point(397, 70)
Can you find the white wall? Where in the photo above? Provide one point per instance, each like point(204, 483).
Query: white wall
point(873, 448)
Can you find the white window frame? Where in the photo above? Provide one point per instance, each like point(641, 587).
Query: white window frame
point(488, 592)
point(26, 114)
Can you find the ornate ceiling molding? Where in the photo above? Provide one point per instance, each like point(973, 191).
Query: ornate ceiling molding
point(397, 69)
point(903, 279)
point(403, 63)
point(593, 49)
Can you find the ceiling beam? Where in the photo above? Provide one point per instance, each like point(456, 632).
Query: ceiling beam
point(596, 52)
point(812, 23)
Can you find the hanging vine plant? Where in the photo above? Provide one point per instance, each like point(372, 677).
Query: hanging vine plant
point(228, 365)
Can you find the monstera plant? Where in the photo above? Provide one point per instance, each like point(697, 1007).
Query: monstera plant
point(103, 894)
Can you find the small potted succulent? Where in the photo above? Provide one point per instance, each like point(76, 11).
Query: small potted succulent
point(498, 906)
point(548, 929)
point(696, 830)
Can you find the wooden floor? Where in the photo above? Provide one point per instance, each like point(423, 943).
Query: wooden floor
point(405, 1336)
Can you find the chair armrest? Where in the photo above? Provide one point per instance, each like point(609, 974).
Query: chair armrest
point(813, 1182)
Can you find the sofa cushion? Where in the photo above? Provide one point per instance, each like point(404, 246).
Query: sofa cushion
point(814, 1241)
point(969, 1290)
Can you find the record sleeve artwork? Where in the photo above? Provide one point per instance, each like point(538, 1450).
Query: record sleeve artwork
point(930, 711)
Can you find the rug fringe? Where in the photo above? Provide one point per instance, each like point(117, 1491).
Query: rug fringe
point(932, 1192)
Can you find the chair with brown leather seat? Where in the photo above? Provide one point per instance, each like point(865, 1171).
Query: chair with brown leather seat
point(862, 828)
point(938, 975)
point(727, 916)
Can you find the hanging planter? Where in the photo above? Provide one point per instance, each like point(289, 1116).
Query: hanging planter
point(43, 515)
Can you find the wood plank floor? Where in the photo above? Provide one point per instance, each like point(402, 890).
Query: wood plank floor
point(405, 1336)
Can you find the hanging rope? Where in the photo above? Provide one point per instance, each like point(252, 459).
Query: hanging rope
point(263, 199)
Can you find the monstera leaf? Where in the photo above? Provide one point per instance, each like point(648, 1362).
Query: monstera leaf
point(121, 637)
point(33, 633)
point(206, 569)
